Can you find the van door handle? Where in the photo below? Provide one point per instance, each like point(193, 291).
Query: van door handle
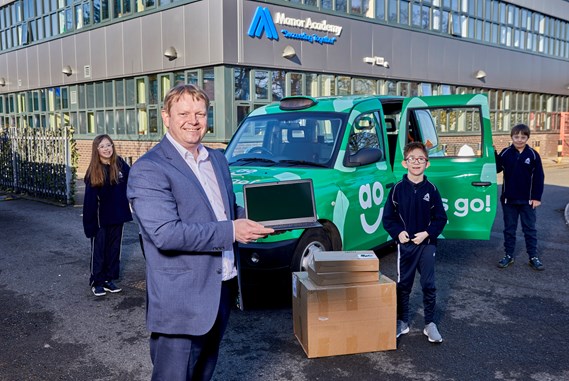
point(390, 185)
point(481, 183)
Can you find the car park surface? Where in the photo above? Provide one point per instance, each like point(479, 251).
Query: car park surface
point(497, 324)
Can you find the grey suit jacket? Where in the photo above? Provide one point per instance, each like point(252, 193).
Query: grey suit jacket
point(182, 239)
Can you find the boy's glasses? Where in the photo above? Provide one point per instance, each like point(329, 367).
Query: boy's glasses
point(419, 160)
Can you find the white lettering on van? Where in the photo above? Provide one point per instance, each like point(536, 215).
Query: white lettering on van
point(462, 206)
point(370, 197)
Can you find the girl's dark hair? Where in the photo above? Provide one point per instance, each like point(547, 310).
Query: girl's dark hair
point(96, 171)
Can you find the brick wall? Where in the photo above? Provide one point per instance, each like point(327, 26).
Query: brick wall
point(545, 144)
point(129, 150)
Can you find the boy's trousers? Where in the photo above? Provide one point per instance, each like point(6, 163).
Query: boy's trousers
point(411, 258)
point(527, 216)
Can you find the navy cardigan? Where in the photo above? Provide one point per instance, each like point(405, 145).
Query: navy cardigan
point(106, 205)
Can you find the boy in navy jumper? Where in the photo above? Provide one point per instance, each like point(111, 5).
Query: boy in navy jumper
point(521, 194)
point(414, 217)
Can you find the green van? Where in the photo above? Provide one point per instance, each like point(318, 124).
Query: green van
point(352, 148)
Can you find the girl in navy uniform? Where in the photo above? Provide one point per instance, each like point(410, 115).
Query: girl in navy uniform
point(105, 210)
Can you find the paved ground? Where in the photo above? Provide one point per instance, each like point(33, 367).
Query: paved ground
point(498, 324)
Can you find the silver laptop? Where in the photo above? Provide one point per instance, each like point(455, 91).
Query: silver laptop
point(281, 205)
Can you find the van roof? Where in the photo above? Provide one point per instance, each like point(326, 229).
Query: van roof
point(323, 104)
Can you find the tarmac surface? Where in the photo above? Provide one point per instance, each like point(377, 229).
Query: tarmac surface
point(498, 324)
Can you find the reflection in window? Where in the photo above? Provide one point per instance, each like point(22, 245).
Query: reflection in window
point(242, 111)
point(380, 10)
point(209, 83)
point(392, 11)
point(296, 84)
point(341, 5)
point(120, 122)
point(278, 85)
point(404, 12)
point(64, 98)
point(110, 122)
point(193, 78)
point(312, 85)
point(130, 122)
point(152, 89)
point(130, 92)
point(100, 122)
point(344, 86)
point(241, 81)
point(153, 121)
point(327, 85)
point(119, 92)
point(261, 84)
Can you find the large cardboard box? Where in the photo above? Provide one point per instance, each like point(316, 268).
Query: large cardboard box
point(343, 319)
point(344, 277)
point(342, 261)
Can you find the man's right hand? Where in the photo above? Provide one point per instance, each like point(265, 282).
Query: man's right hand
point(247, 231)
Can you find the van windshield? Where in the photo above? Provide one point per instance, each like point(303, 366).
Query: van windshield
point(285, 139)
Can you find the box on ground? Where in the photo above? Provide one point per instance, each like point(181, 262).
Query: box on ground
point(341, 261)
point(344, 277)
point(343, 319)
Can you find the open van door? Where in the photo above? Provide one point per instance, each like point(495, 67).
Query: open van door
point(457, 133)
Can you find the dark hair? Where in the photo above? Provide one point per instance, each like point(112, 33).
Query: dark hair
point(176, 92)
point(96, 171)
point(520, 129)
point(414, 145)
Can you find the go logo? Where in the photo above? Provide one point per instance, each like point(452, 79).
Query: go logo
point(463, 205)
point(371, 196)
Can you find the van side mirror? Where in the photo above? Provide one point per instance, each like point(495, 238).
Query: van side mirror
point(364, 156)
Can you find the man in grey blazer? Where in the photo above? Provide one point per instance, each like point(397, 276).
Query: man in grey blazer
point(181, 193)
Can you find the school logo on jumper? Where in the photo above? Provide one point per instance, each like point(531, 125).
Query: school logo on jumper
point(427, 197)
point(527, 161)
point(263, 21)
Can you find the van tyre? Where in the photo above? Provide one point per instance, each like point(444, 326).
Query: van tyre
point(311, 240)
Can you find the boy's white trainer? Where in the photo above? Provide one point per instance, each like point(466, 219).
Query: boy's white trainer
point(432, 333)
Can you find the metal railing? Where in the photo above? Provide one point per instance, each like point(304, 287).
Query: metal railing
point(38, 162)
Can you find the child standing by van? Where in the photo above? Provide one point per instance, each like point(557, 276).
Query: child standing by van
point(414, 217)
point(521, 194)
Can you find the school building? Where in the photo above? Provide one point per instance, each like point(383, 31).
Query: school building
point(104, 66)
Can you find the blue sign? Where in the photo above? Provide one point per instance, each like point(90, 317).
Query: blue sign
point(263, 21)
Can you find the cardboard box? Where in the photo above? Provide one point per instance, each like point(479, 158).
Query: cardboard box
point(343, 319)
point(344, 277)
point(341, 261)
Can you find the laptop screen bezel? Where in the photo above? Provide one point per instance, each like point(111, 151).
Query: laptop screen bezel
point(287, 221)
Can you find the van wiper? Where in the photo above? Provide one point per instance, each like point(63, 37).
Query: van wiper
point(245, 161)
point(303, 162)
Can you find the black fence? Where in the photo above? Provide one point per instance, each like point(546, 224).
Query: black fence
point(39, 162)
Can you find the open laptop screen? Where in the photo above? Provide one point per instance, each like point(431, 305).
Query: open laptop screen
point(281, 203)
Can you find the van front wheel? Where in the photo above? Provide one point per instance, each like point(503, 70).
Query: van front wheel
point(311, 240)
